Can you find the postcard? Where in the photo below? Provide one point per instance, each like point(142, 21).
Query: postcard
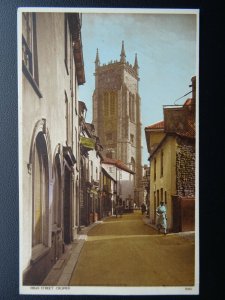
point(108, 151)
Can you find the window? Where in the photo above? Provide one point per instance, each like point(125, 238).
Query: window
point(67, 43)
point(112, 104)
point(132, 107)
point(132, 138)
point(91, 171)
point(155, 206)
point(132, 164)
point(154, 168)
point(161, 192)
point(67, 118)
point(57, 193)
point(29, 50)
point(161, 170)
point(157, 198)
point(106, 104)
point(96, 174)
point(165, 197)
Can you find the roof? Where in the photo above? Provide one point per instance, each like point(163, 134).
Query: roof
point(75, 27)
point(118, 163)
point(188, 102)
point(158, 125)
point(188, 131)
point(107, 174)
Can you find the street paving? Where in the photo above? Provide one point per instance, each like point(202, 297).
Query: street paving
point(124, 251)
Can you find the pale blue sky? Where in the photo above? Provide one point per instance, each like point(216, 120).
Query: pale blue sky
point(166, 48)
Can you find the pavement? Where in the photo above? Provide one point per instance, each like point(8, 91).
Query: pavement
point(190, 235)
point(62, 271)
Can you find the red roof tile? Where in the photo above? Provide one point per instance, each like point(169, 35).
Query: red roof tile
point(158, 125)
point(189, 130)
point(188, 102)
point(117, 163)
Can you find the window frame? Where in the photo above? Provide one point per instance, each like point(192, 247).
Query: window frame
point(29, 52)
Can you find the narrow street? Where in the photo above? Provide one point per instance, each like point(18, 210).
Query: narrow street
point(124, 251)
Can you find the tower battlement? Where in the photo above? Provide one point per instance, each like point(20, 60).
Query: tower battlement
point(122, 64)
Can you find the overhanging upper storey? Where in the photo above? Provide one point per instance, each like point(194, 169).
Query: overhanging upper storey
point(75, 28)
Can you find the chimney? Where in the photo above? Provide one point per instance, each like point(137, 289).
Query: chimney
point(193, 80)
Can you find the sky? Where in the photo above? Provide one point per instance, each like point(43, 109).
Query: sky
point(166, 45)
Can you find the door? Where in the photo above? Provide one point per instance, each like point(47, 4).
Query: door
point(67, 217)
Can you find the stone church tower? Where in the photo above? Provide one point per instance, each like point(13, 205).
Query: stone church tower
point(116, 114)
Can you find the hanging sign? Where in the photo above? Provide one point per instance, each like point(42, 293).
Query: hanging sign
point(87, 142)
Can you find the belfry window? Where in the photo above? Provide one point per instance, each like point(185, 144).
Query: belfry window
point(132, 107)
point(109, 103)
point(112, 104)
point(106, 104)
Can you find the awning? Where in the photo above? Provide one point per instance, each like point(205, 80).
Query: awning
point(68, 154)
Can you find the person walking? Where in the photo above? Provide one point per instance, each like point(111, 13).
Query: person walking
point(162, 218)
point(143, 208)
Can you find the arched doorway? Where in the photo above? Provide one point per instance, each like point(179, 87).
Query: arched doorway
point(57, 209)
point(40, 201)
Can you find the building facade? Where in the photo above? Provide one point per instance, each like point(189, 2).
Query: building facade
point(51, 71)
point(124, 178)
point(116, 114)
point(90, 171)
point(171, 145)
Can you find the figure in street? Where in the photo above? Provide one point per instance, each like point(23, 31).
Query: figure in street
point(161, 217)
point(119, 210)
point(143, 208)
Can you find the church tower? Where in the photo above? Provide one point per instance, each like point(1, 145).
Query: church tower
point(116, 114)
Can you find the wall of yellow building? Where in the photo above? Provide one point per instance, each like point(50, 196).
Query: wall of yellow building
point(167, 181)
point(156, 137)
